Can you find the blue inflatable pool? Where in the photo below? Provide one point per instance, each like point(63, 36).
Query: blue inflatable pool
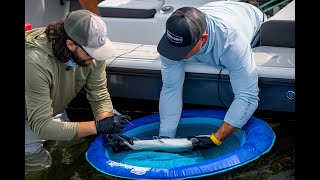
point(247, 144)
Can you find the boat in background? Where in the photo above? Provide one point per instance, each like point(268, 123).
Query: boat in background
point(135, 26)
point(134, 72)
point(40, 13)
point(140, 21)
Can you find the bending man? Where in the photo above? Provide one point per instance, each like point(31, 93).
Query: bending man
point(60, 60)
point(220, 34)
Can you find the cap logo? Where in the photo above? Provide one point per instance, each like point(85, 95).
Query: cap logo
point(102, 38)
point(174, 38)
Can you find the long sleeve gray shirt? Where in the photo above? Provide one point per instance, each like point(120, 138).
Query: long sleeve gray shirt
point(49, 88)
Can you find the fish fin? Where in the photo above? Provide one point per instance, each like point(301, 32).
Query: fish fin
point(158, 138)
point(204, 135)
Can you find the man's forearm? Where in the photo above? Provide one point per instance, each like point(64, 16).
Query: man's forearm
point(89, 127)
point(86, 128)
point(225, 131)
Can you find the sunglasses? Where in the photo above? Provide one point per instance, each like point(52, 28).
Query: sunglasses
point(80, 47)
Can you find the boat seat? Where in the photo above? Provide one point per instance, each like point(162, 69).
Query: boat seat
point(272, 62)
point(279, 30)
point(275, 62)
point(129, 8)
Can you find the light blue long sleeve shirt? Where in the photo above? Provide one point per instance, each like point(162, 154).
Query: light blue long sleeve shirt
point(231, 28)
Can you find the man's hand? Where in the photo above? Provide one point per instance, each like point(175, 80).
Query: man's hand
point(116, 142)
point(202, 141)
point(111, 125)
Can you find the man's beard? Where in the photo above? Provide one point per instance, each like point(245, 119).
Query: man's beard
point(78, 60)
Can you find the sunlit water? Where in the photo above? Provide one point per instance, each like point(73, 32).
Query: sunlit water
point(69, 160)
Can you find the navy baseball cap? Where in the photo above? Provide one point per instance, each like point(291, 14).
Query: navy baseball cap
point(184, 28)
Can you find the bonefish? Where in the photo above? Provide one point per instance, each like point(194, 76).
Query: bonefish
point(158, 143)
point(162, 144)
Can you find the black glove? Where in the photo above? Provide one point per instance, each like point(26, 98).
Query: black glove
point(110, 125)
point(116, 142)
point(201, 141)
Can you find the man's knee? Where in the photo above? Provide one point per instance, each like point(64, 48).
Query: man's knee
point(38, 161)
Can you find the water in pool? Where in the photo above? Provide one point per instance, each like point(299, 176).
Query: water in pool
point(170, 160)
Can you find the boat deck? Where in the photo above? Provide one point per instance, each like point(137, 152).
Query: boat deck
point(137, 67)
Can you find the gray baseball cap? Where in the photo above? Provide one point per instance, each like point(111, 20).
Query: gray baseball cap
point(90, 31)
